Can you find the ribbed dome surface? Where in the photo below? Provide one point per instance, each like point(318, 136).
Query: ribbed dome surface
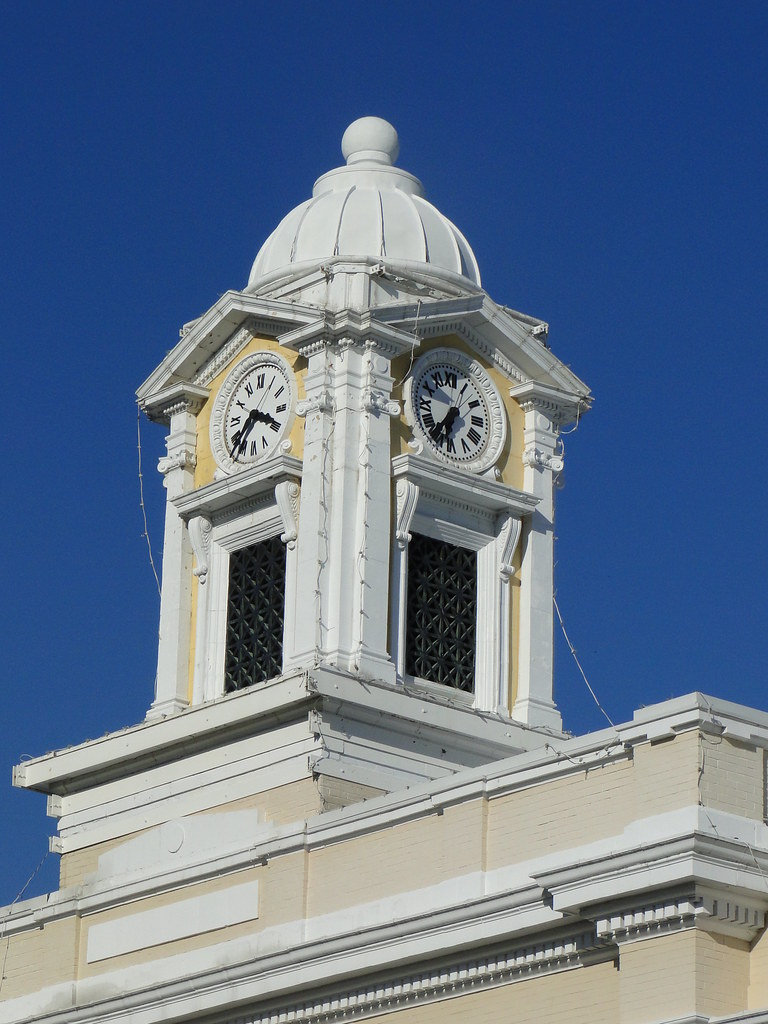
point(369, 208)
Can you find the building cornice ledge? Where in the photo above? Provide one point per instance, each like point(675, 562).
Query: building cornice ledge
point(158, 741)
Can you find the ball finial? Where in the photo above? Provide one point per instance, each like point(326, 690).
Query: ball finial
point(370, 138)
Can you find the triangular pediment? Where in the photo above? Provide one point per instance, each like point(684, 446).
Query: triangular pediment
point(209, 342)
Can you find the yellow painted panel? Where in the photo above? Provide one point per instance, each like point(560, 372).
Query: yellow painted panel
point(206, 464)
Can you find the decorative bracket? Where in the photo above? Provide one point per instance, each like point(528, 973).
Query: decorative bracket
point(322, 402)
point(183, 459)
point(287, 498)
point(533, 456)
point(200, 530)
point(507, 539)
point(407, 497)
point(375, 401)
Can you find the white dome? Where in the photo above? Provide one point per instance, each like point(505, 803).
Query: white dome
point(369, 208)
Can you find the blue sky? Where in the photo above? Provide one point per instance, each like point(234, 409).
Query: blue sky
point(606, 162)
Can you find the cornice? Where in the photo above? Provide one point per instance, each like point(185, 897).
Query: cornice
point(431, 984)
point(455, 485)
point(238, 490)
point(511, 340)
point(179, 397)
point(159, 741)
point(562, 407)
point(345, 328)
point(716, 911)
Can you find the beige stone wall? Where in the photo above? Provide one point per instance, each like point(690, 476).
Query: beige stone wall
point(400, 858)
point(579, 808)
point(586, 995)
point(666, 774)
point(681, 974)
point(757, 996)
point(656, 978)
point(733, 776)
point(35, 959)
point(722, 974)
point(283, 805)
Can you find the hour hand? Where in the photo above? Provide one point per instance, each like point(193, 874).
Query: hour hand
point(453, 412)
point(264, 417)
point(445, 425)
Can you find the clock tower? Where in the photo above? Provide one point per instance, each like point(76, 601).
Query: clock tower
point(360, 467)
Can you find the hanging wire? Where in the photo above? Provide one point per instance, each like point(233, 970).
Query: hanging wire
point(141, 500)
point(572, 649)
point(19, 894)
point(415, 333)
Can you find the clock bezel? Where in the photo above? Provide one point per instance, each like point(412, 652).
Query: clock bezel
point(222, 401)
point(497, 420)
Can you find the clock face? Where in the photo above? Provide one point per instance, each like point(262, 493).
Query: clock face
point(253, 411)
point(455, 409)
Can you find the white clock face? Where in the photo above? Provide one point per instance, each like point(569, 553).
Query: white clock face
point(253, 411)
point(455, 409)
point(452, 412)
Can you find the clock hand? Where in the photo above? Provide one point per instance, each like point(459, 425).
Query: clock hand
point(241, 436)
point(445, 425)
point(449, 420)
point(264, 417)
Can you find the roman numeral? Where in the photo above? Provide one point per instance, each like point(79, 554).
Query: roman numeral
point(424, 404)
point(240, 404)
point(437, 380)
point(248, 388)
point(279, 391)
point(428, 420)
point(254, 449)
point(464, 445)
point(450, 380)
point(451, 446)
point(474, 405)
point(473, 435)
point(281, 408)
point(260, 380)
point(274, 425)
point(235, 420)
point(264, 443)
point(478, 420)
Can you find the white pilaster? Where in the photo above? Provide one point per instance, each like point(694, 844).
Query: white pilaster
point(310, 625)
point(545, 410)
point(178, 469)
point(343, 538)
